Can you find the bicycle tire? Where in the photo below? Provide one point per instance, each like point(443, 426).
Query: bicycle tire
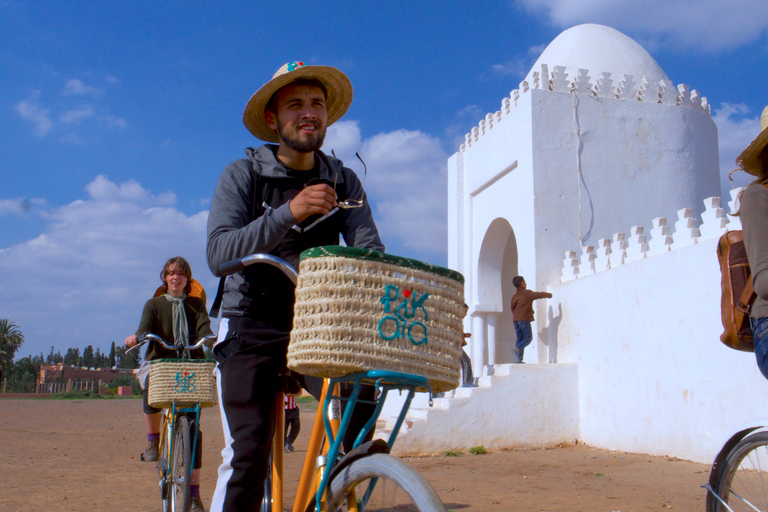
point(180, 469)
point(744, 477)
point(162, 463)
point(398, 486)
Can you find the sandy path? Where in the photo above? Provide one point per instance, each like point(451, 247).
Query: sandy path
point(84, 456)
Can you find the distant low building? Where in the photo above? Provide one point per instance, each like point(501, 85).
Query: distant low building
point(50, 373)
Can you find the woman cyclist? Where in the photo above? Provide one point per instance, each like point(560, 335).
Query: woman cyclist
point(173, 316)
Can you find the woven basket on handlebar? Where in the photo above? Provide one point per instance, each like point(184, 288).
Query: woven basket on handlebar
point(184, 381)
point(359, 310)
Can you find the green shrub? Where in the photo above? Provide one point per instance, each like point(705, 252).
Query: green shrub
point(126, 380)
point(452, 454)
point(74, 395)
point(477, 450)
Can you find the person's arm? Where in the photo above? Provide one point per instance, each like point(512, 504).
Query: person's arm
point(540, 295)
point(145, 325)
point(754, 222)
point(359, 229)
point(230, 234)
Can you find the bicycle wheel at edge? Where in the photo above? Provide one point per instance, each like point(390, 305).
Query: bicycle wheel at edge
point(745, 476)
point(180, 469)
point(398, 486)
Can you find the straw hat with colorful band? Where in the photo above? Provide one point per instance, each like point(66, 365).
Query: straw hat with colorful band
point(747, 160)
point(336, 83)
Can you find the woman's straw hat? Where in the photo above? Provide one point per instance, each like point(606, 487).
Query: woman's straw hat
point(336, 83)
point(747, 160)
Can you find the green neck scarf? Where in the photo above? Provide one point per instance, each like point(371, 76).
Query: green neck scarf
point(180, 327)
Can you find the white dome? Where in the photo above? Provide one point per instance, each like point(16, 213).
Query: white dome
point(598, 49)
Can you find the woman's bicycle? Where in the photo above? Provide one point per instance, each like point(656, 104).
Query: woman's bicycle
point(367, 478)
point(181, 386)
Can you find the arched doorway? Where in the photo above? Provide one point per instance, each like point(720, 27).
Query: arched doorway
point(497, 265)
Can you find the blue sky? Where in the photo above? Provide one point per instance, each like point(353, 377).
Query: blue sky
point(118, 117)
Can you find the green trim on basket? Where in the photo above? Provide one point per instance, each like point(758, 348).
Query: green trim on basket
point(370, 254)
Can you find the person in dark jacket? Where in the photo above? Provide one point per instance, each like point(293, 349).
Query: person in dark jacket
point(281, 199)
point(522, 314)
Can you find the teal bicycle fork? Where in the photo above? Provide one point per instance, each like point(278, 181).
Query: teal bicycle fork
point(175, 413)
point(384, 381)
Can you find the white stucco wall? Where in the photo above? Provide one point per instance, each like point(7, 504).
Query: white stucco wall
point(653, 375)
point(634, 157)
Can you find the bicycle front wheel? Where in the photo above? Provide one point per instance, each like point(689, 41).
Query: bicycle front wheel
point(180, 469)
point(744, 481)
point(396, 486)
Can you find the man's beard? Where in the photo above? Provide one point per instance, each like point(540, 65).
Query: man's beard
point(313, 143)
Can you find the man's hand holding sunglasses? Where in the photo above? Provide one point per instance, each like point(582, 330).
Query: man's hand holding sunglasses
point(319, 198)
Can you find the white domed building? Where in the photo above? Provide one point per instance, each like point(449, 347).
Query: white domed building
point(597, 181)
point(596, 139)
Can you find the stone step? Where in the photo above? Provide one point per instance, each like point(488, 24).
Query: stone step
point(443, 403)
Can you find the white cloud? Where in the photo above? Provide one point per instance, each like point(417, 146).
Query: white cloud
point(76, 87)
point(114, 122)
point(518, 67)
point(406, 184)
point(32, 112)
point(75, 116)
point(736, 128)
point(344, 138)
point(514, 68)
point(71, 123)
point(707, 24)
point(104, 254)
point(463, 122)
point(102, 189)
point(17, 205)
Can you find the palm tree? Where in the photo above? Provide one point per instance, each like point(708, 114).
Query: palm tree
point(11, 339)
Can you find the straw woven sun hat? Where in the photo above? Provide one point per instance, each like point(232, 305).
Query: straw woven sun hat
point(747, 160)
point(336, 83)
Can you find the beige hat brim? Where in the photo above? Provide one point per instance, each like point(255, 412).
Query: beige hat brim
point(747, 160)
point(336, 83)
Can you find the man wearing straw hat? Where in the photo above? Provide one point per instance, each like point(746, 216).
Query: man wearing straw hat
point(281, 199)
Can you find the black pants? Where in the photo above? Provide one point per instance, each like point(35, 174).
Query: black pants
point(249, 361)
point(292, 424)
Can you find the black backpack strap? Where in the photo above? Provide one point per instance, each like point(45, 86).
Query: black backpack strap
point(216, 306)
point(259, 195)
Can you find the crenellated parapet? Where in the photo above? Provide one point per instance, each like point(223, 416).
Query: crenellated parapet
point(623, 249)
point(649, 90)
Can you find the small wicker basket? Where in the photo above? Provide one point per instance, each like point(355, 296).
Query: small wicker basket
point(358, 310)
point(184, 381)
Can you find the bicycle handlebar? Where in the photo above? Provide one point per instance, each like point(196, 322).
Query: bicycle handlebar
point(144, 338)
point(236, 265)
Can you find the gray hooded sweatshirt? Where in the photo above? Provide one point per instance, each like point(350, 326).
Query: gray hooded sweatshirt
point(247, 219)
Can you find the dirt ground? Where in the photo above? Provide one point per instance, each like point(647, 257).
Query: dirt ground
point(83, 455)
